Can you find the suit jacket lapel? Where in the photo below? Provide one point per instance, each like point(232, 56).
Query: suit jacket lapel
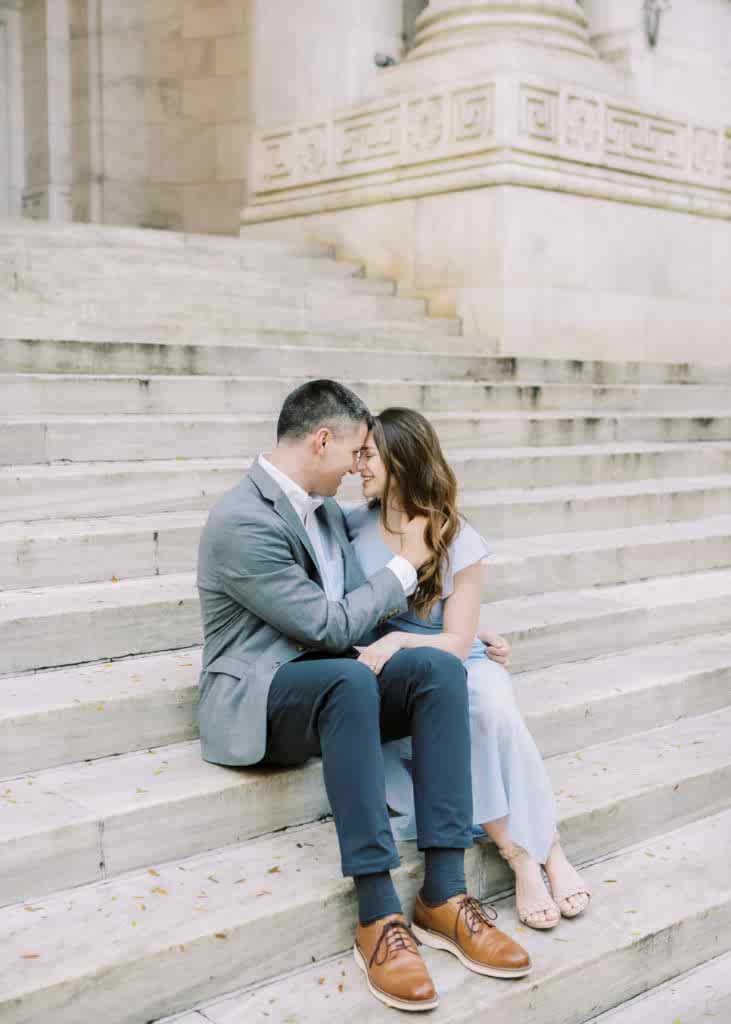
point(283, 507)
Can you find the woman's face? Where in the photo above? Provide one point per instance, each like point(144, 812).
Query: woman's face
point(372, 470)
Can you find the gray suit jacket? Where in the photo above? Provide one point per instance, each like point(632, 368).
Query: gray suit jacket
point(263, 604)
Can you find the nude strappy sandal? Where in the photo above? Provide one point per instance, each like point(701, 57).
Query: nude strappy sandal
point(562, 896)
point(527, 912)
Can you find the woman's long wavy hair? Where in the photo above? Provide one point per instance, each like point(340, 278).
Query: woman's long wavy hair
point(416, 468)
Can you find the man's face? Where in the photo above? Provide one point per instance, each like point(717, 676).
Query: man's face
point(339, 457)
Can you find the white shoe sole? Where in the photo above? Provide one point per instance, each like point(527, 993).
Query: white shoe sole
point(393, 1001)
point(436, 941)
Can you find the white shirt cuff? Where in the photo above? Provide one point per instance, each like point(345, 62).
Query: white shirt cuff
point(405, 572)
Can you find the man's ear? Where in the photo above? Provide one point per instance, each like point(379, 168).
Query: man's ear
point(321, 438)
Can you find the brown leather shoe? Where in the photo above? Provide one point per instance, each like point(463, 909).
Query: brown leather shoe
point(387, 952)
point(462, 926)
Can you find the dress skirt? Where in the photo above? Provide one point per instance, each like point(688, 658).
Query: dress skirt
point(509, 778)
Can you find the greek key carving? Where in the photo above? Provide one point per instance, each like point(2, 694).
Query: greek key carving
point(582, 128)
point(472, 114)
point(726, 157)
point(645, 138)
point(538, 113)
point(705, 151)
point(426, 123)
point(570, 124)
point(312, 150)
point(369, 136)
point(274, 158)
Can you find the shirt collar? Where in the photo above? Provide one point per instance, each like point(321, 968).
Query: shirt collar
point(300, 500)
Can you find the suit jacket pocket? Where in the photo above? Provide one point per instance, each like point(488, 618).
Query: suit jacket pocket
point(229, 664)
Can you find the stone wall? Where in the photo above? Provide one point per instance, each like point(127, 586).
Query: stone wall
point(138, 113)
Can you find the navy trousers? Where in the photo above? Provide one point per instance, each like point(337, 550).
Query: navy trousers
point(336, 708)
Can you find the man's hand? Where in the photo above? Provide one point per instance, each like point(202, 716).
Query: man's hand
point(376, 655)
point(413, 546)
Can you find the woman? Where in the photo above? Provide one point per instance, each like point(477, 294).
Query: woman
point(404, 475)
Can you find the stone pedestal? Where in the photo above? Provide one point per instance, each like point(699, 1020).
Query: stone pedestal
point(511, 176)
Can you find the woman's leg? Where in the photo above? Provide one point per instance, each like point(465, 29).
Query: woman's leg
point(569, 890)
point(533, 902)
point(513, 796)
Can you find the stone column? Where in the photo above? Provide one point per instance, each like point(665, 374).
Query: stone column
point(47, 108)
point(11, 109)
point(459, 39)
point(452, 24)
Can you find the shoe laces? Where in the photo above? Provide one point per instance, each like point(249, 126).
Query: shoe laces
point(475, 915)
point(393, 939)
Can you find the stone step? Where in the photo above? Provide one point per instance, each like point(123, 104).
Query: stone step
point(40, 491)
point(167, 282)
point(168, 350)
point(567, 626)
point(500, 513)
point(250, 353)
point(565, 561)
point(55, 552)
point(201, 266)
point(111, 437)
point(192, 931)
point(116, 240)
point(90, 821)
point(54, 626)
point(24, 394)
point(699, 996)
point(59, 716)
point(176, 287)
point(373, 313)
point(517, 512)
point(664, 909)
point(289, 265)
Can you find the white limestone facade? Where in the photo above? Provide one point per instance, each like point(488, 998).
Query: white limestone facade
point(134, 113)
point(557, 174)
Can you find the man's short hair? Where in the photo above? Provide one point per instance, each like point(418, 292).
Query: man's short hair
point(320, 403)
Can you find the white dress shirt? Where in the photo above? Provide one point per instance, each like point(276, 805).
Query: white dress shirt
point(328, 551)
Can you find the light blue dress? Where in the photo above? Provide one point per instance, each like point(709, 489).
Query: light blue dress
point(509, 778)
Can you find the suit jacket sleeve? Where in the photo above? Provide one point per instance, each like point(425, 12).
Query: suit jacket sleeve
point(258, 569)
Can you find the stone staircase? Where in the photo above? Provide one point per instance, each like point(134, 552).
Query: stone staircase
point(140, 372)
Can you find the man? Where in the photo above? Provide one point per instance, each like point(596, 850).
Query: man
point(284, 602)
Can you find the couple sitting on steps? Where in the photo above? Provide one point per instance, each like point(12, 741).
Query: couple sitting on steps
point(351, 634)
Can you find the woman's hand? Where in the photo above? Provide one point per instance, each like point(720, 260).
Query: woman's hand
point(498, 648)
point(376, 655)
